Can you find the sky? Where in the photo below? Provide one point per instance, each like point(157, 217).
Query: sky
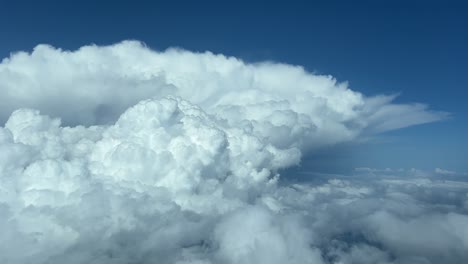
point(417, 50)
point(233, 132)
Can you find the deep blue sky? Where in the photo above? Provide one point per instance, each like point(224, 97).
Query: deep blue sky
point(417, 48)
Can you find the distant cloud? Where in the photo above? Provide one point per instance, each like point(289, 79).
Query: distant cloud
point(413, 172)
point(173, 157)
point(367, 169)
point(446, 172)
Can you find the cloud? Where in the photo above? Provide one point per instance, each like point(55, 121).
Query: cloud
point(121, 154)
point(384, 219)
point(437, 173)
point(95, 85)
point(445, 172)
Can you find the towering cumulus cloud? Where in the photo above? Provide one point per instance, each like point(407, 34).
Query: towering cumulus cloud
point(121, 154)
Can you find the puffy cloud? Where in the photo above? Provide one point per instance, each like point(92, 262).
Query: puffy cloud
point(166, 182)
point(281, 102)
point(256, 235)
point(121, 154)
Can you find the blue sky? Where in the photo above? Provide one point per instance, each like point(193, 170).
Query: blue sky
point(417, 49)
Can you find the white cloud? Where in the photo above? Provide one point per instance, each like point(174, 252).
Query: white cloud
point(444, 172)
point(281, 102)
point(180, 165)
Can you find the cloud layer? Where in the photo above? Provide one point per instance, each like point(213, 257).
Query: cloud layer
point(121, 154)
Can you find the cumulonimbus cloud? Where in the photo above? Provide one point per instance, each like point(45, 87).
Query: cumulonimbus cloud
point(94, 85)
point(121, 154)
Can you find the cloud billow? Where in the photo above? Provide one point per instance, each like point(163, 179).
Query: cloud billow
point(94, 85)
point(121, 154)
